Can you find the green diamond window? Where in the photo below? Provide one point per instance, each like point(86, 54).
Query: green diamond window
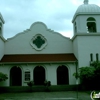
point(38, 41)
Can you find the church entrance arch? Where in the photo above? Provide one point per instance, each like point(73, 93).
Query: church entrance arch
point(62, 75)
point(39, 75)
point(15, 76)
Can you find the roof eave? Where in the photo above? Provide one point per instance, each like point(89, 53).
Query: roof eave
point(84, 13)
point(49, 62)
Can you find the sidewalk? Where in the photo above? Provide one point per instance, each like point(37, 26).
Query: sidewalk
point(68, 95)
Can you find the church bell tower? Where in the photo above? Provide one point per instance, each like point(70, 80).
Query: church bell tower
point(86, 29)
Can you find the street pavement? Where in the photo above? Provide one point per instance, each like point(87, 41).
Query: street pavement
point(66, 95)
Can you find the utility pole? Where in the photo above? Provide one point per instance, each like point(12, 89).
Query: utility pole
point(77, 80)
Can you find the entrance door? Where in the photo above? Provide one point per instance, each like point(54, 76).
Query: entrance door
point(15, 76)
point(39, 75)
point(62, 75)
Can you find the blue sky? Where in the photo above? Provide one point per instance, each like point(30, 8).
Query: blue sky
point(19, 15)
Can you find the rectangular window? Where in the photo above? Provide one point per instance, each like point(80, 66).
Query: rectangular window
point(27, 76)
point(97, 58)
point(91, 57)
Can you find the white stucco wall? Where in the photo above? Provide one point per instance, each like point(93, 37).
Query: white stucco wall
point(86, 46)
point(56, 43)
point(72, 70)
point(75, 47)
point(1, 47)
point(50, 72)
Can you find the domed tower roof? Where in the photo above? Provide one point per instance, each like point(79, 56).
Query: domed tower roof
point(87, 9)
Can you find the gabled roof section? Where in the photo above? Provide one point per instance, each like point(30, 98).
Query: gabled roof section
point(40, 24)
point(38, 58)
point(37, 27)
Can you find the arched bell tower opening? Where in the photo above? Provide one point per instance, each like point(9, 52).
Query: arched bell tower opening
point(91, 25)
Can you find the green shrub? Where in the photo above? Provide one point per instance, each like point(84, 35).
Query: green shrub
point(86, 75)
point(89, 76)
point(30, 84)
point(3, 77)
point(47, 84)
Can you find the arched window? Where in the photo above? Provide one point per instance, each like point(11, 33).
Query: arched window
point(97, 57)
point(91, 25)
point(91, 57)
point(75, 27)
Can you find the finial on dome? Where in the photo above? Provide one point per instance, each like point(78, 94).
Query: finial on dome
point(86, 1)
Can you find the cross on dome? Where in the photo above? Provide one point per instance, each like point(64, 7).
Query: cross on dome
point(86, 1)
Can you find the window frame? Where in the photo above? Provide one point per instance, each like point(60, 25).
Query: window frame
point(93, 28)
point(27, 76)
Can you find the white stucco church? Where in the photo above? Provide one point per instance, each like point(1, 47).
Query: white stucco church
point(40, 54)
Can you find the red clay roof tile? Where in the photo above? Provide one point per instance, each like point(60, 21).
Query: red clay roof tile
point(38, 58)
